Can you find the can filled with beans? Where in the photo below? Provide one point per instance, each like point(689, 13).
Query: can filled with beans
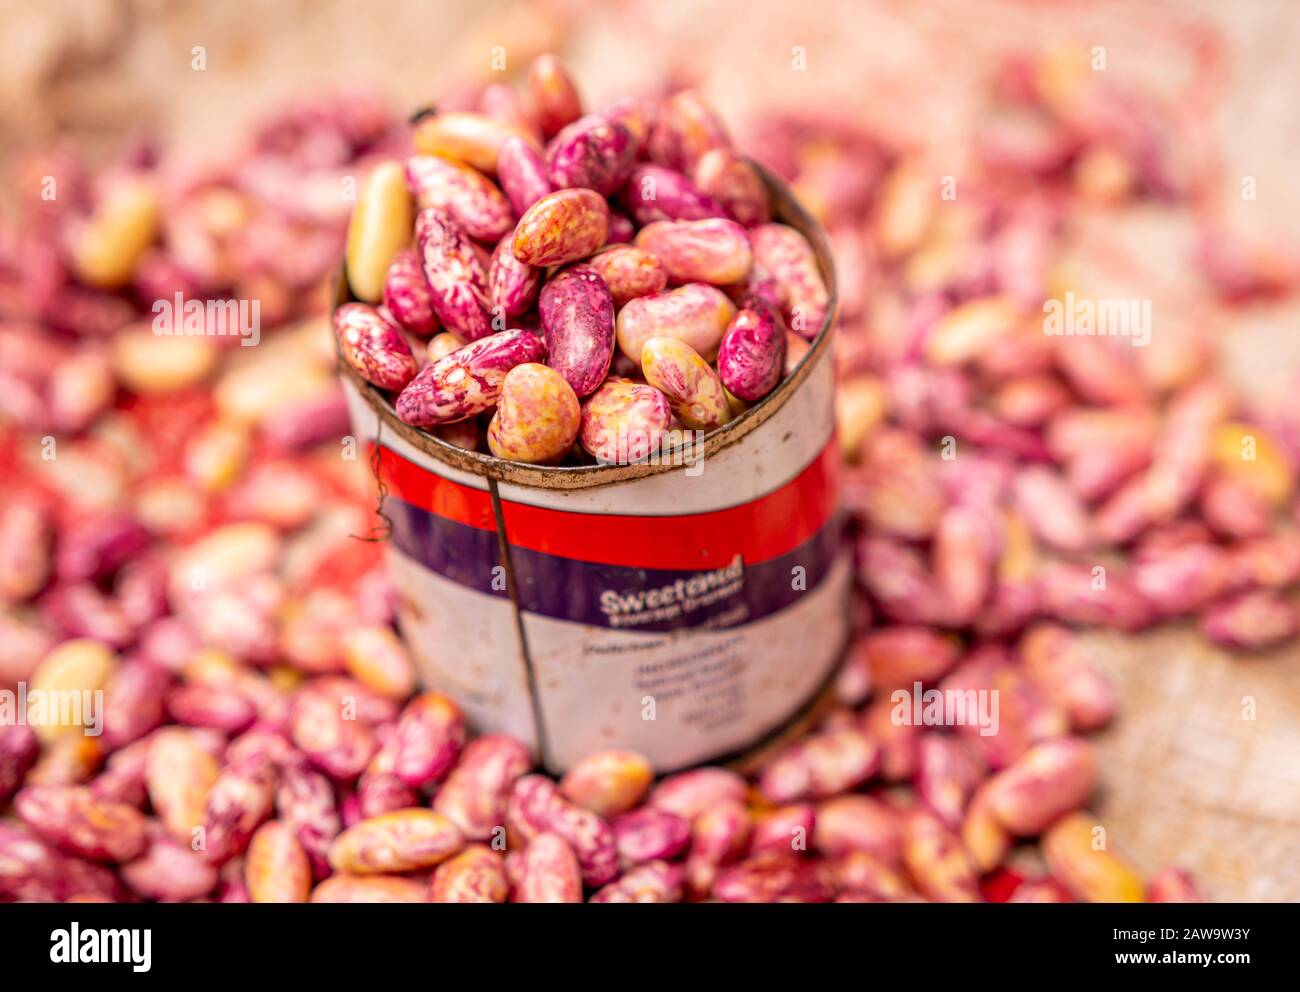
point(687, 605)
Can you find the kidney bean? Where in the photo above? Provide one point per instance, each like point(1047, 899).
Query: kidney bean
point(591, 152)
point(406, 295)
point(522, 172)
point(276, 868)
point(536, 806)
point(713, 251)
point(820, 766)
point(685, 129)
point(734, 182)
point(1251, 621)
point(654, 882)
point(564, 226)
point(548, 871)
point(474, 139)
point(936, 860)
point(771, 878)
point(1050, 779)
point(786, 256)
point(429, 737)
point(1055, 659)
point(695, 393)
point(75, 820)
point(647, 834)
point(466, 194)
point(169, 872)
point(242, 797)
point(554, 97)
point(1077, 856)
point(577, 314)
point(368, 889)
point(26, 549)
point(475, 875)
point(629, 273)
point(608, 782)
point(380, 227)
point(468, 381)
point(696, 314)
point(512, 285)
point(751, 355)
point(653, 193)
point(304, 803)
point(456, 275)
point(475, 794)
point(403, 840)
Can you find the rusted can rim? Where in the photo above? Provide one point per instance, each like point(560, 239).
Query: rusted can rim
point(786, 209)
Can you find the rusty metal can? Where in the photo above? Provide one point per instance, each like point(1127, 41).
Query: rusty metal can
point(689, 606)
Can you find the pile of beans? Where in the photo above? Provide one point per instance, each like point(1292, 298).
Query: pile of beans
point(179, 530)
point(635, 286)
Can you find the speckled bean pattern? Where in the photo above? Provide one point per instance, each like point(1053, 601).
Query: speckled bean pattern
point(653, 193)
point(564, 226)
point(785, 254)
point(629, 273)
point(624, 421)
point(714, 251)
point(735, 184)
point(468, 381)
point(512, 285)
point(537, 416)
point(522, 172)
point(577, 314)
point(406, 296)
point(469, 196)
point(403, 840)
point(475, 875)
point(751, 357)
point(373, 346)
point(591, 152)
point(694, 391)
point(696, 314)
point(456, 274)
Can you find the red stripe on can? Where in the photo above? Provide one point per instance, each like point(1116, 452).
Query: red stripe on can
point(757, 531)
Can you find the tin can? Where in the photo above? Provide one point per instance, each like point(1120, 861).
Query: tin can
point(689, 606)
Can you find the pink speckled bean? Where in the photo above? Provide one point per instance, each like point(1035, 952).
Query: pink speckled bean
point(468, 381)
point(339, 746)
point(476, 792)
point(1049, 780)
point(536, 806)
point(1054, 658)
point(217, 707)
point(276, 869)
point(429, 736)
point(751, 357)
point(652, 882)
point(786, 829)
point(608, 782)
point(457, 276)
point(240, 800)
point(26, 549)
point(403, 840)
point(577, 314)
point(1251, 621)
point(946, 774)
point(537, 416)
point(621, 229)
point(937, 861)
point(406, 295)
point(629, 273)
point(624, 421)
point(820, 766)
point(19, 748)
point(591, 152)
point(785, 254)
point(374, 346)
point(475, 875)
point(772, 878)
point(719, 835)
point(695, 313)
point(134, 702)
point(169, 872)
point(561, 227)
point(522, 172)
point(715, 250)
point(304, 801)
point(685, 130)
point(648, 834)
point(689, 793)
point(694, 391)
point(850, 823)
point(734, 183)
point(552, 94)
point(548, 871)
point(75, 820)
point(464, 192)
point(369, 889)
point(653, 193)
point(512, 285)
